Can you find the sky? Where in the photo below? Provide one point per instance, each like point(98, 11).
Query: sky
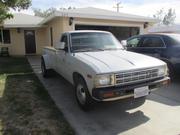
point(138, 7)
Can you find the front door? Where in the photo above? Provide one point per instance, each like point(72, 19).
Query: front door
point(61, 57)
point(30, 43)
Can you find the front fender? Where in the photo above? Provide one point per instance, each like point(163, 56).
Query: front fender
point(86, 70)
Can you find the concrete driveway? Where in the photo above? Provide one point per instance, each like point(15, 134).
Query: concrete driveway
point(160, 115)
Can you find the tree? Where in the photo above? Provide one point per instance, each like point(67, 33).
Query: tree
point(170, 17)
point(69, 8)
point(49, 11)
point(159, 16)
point(164, 17)
point(6, 5)
point(44, 13)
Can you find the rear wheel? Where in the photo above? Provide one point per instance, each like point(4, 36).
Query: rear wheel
point(45, 72)
point(82, 94)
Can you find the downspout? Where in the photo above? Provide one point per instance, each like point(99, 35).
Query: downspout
point(2, 36)
point(1, 39)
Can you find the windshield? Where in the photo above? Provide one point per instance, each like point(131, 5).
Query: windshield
point(176, 37)
point(94, 41)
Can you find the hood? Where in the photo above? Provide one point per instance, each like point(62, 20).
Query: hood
point(116, 61)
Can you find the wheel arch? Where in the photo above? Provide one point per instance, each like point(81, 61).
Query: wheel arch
point(75, 77)
point(168, 62)
point(46, 61)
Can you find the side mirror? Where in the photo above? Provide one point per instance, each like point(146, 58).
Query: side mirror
point(124, 43)
point(60, 46)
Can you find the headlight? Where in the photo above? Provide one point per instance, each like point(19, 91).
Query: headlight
point(163, 71)
point(104, 80)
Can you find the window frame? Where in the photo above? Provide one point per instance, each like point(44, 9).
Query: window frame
point(2, 36)
point(164, 44)
point(67, 51)
point(140, 38)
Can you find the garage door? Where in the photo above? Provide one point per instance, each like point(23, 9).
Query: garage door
point(121, 33)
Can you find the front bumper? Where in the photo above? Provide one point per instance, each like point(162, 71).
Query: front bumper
point(122, 92)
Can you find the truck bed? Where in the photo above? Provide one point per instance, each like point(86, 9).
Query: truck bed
point(50, 48)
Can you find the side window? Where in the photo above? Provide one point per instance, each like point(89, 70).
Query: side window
point(152, 42)
point(133, 42)
point(65, 40)
point(5, 36)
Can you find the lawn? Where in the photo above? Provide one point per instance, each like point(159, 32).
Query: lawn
point(25, 106)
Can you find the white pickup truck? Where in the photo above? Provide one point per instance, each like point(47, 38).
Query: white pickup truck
point(101, 69)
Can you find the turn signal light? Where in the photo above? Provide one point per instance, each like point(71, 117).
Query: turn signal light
point(108, 95)
point(167, 82)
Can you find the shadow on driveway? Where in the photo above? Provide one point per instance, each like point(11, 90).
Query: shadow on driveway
point(170, 93)
point(105, 118)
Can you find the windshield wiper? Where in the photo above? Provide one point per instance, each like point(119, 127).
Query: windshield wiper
point(88, 50)
point(114, 49)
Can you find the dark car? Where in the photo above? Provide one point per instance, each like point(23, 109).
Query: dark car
point(163, 46)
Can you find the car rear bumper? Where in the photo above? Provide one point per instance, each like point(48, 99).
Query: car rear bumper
point(122, 92)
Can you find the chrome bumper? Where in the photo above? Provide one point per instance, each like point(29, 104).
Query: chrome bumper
point(122, 92)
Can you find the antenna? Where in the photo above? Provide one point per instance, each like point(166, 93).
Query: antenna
point(118, 6)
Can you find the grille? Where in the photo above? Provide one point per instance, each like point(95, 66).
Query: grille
point(135, 76)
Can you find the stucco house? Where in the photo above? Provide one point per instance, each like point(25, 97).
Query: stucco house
point(26, 34)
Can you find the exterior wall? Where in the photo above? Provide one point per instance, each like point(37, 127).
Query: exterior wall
point(57, 28)
point(146, 30)
point(66, 26)
point(101, 23)
point(59, 25)
point(17, 45)
point(41, 40)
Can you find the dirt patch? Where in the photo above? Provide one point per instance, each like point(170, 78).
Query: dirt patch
point(26, 107)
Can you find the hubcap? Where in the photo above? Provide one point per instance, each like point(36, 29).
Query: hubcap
point(81, 95)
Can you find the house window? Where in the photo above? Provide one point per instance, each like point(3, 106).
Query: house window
point(5, 36)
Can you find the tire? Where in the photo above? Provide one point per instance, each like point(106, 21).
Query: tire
point(171, 72)
point(45, 72)
point(83, 97)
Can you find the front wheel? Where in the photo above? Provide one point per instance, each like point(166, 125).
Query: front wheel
point(171, 72)
point(82, 95)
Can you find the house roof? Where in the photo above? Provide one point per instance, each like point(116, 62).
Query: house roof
point(97, 13)
point(22, 20)
point(89, 31)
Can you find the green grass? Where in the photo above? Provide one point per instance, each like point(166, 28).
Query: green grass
point(25, 105)
point(14, 65)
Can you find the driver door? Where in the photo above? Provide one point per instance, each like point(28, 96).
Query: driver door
point(61, 57)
